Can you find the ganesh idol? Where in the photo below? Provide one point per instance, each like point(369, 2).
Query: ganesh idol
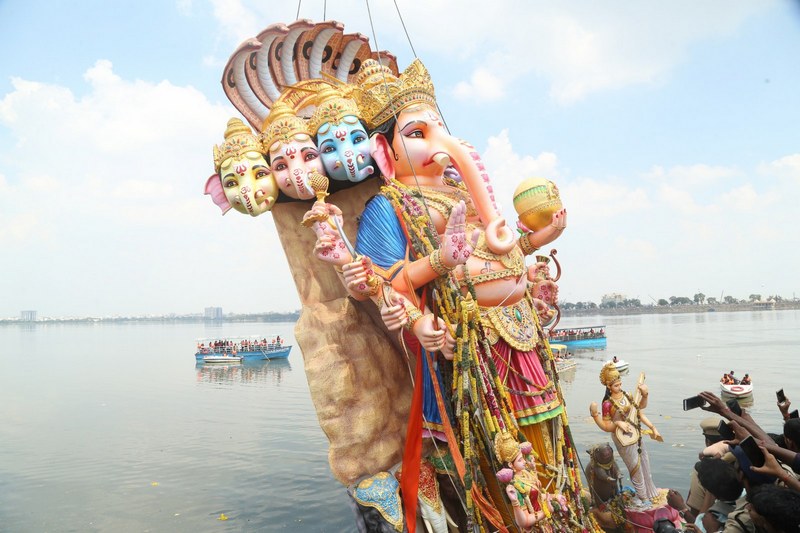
point(412, 148)
point(243, 179)
point(427, 231)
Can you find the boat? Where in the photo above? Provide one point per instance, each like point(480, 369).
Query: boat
point(221, 359)
point(586, 338)
point(562, 359)
point(620, 364)
point(252, 348)
point(736, 390)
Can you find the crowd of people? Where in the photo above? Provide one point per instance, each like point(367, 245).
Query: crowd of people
point(243, 345)
point(748, 483)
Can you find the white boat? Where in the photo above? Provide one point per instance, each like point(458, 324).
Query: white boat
point(222, 359)
point(620, 364)
point(562, 358)
point(737, 391)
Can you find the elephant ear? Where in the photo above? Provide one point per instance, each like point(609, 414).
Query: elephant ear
point(214, 188)
point(381, 151)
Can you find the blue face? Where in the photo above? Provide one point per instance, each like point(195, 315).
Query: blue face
point(344, 150)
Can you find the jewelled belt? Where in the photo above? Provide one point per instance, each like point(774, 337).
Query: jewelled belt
point(513, 323)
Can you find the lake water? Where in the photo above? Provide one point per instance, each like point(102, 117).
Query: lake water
point(114, 427)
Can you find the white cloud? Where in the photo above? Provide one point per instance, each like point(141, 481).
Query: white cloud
point(106, 189)
point(787, 167)
point(483, 86)
point(698, 175)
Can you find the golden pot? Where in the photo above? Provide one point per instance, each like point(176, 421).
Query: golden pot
point(535, 200)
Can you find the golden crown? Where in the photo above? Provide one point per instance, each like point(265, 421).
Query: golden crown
point(609, 374)
point(506, 447)
point(239, 139)
point(383, 95)
point(282, 125)
point(332, 107)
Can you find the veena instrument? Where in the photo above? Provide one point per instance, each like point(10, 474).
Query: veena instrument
point(632, 418)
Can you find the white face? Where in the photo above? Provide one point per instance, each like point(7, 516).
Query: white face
point(616, 386)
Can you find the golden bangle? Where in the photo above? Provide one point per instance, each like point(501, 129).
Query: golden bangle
point(414, 315)
point(338, 269)
point(437, 264)
point(525, 244)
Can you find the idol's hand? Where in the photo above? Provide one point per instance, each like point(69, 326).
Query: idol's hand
point(430, 334)
point(394, 313)
point(448, 350)
point(456, 249)
point(329, 246)
point(322, 211)
point(359, 276)
point(512, 492)
point(548, 234)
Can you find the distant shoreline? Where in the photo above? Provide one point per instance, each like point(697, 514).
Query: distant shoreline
point(294, 316)
point(674, 309)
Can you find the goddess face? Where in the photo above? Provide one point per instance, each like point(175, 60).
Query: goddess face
point(615, 387)
point(518, 464)
point(248, 184)
point(291, 163)
point(344, 149)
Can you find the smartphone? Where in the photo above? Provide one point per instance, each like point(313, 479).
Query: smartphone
point(781, 396)
point(725, 431)
point(693, 403)
point(794, 414)
point(733, 405)
point(752, 451)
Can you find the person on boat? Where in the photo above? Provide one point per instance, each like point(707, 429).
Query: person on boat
point(615, 360)
point(617, 405)
point(746, 380)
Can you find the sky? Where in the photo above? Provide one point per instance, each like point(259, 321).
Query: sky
point(671, 128)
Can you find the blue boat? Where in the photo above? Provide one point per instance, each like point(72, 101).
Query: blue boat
point(586, 338)
point(252, 348)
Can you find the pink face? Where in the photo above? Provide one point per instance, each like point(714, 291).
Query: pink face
point(290, 164)
point(518, 464)
point(416, 141)
point(616, 386)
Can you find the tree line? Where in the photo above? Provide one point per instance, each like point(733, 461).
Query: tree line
point(698, 299)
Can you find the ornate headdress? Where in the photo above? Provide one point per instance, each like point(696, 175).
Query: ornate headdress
point(282, 125)
point(332, 106)
point(609, 374)
point(239, 139)
point(383, 95)
point(506, 447)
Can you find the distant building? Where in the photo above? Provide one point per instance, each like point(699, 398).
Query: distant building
point(27, 316)
point(613, 297)
point(213, 313)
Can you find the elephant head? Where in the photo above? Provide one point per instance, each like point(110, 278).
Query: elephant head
point(243, 179)
point(411, 144)
point(378, 500)
point(292, 152)
point(431, 508)
point(602, 473)
point(341, 137)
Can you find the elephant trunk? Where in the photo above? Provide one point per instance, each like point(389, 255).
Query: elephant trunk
point(499, 237)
